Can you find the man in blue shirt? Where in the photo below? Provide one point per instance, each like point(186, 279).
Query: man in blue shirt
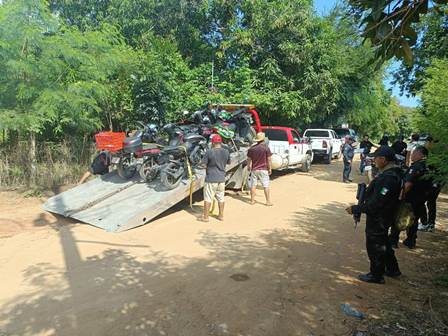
point(348, 152)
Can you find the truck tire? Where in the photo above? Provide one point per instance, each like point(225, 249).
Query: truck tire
point(307, 164)
point(329, 157)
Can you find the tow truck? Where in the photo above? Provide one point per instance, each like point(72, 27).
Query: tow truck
point(114, 204)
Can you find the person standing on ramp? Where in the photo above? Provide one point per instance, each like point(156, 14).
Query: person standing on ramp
point(215, 161)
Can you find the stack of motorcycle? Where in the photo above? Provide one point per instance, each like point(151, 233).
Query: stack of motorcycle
point(169, 151)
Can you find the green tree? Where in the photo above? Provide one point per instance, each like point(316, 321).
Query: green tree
point(52, 77)
point(433, 113)
point(433, 44)
point(390, 24)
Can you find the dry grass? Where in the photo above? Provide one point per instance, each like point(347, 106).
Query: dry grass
point(57, 164)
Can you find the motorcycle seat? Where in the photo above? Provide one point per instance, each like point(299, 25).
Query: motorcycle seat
point(150, 146)
point(172, 148)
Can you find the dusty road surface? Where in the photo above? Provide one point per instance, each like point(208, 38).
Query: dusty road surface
point(278, 271)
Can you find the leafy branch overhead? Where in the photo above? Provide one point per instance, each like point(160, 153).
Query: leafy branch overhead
point(390, 24)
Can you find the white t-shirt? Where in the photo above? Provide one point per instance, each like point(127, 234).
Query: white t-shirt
point(411, 146)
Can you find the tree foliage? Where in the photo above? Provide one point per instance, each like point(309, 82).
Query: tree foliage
point(432, 44)
point(433, 114)
point(50, 76)
point(390, 24)
point(106, 64)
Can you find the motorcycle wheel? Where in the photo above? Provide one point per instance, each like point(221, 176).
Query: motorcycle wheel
point(167, 175)
point(197, 156)
point(149, 169)
point(126, 167)
point(250, 136)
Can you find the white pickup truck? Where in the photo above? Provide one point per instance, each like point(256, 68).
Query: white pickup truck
point(325, 143)
point(288, 149)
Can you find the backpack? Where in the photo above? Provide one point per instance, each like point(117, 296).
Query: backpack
point(404, 216)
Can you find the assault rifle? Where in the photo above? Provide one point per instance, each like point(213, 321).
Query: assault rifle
point(360, 196)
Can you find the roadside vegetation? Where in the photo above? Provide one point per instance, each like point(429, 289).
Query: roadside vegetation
point(70, 69)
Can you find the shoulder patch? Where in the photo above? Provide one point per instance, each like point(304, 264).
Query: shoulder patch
point(384, 191)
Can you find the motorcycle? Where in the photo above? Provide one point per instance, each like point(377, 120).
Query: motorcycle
point(136, 149)
point(240, 122)
point(184, 148)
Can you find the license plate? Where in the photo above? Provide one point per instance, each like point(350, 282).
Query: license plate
point(115, 160)
point(367, 168)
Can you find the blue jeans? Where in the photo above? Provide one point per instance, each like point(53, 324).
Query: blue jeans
point(362, 164)
point(347, 170)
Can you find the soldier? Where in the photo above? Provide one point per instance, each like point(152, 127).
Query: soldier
point(380, 206)
point(435, 190)
point(416, 191)
point(399, 146)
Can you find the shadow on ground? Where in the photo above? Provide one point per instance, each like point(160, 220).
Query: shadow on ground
point(282, 283)
point(321, 171)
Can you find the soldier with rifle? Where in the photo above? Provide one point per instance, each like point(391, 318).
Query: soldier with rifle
point(380, 204)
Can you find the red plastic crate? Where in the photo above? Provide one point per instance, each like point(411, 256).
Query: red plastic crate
point(111, 141)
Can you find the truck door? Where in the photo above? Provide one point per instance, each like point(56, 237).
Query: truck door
point(338, 142)
point(295, 148)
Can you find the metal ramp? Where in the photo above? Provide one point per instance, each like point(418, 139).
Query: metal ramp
point(115, 205)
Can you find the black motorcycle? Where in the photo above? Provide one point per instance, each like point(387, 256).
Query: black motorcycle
point(136, 149)
point(184, 148)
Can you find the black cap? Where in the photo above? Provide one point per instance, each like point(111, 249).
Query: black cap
point(386, 152)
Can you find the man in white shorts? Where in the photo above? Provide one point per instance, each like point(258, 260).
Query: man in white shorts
point(259, 165)
point(215, 161)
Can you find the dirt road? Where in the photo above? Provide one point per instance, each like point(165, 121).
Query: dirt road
point(277, 271)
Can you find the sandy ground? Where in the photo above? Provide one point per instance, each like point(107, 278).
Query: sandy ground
point(280, 271)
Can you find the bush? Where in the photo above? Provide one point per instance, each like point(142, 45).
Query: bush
point(57, 163)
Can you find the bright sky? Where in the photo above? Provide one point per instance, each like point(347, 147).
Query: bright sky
point(322, 8)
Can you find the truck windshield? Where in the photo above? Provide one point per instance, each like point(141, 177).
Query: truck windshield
point(342, 132)
point(276, 135)
point(317, 134)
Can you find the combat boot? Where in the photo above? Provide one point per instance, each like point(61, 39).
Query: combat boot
point(369, 277)
point(393, 274)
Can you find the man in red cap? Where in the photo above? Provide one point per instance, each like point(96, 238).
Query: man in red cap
point(215, 161)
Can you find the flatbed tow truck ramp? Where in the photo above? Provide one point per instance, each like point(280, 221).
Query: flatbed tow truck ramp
point(114, 204)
